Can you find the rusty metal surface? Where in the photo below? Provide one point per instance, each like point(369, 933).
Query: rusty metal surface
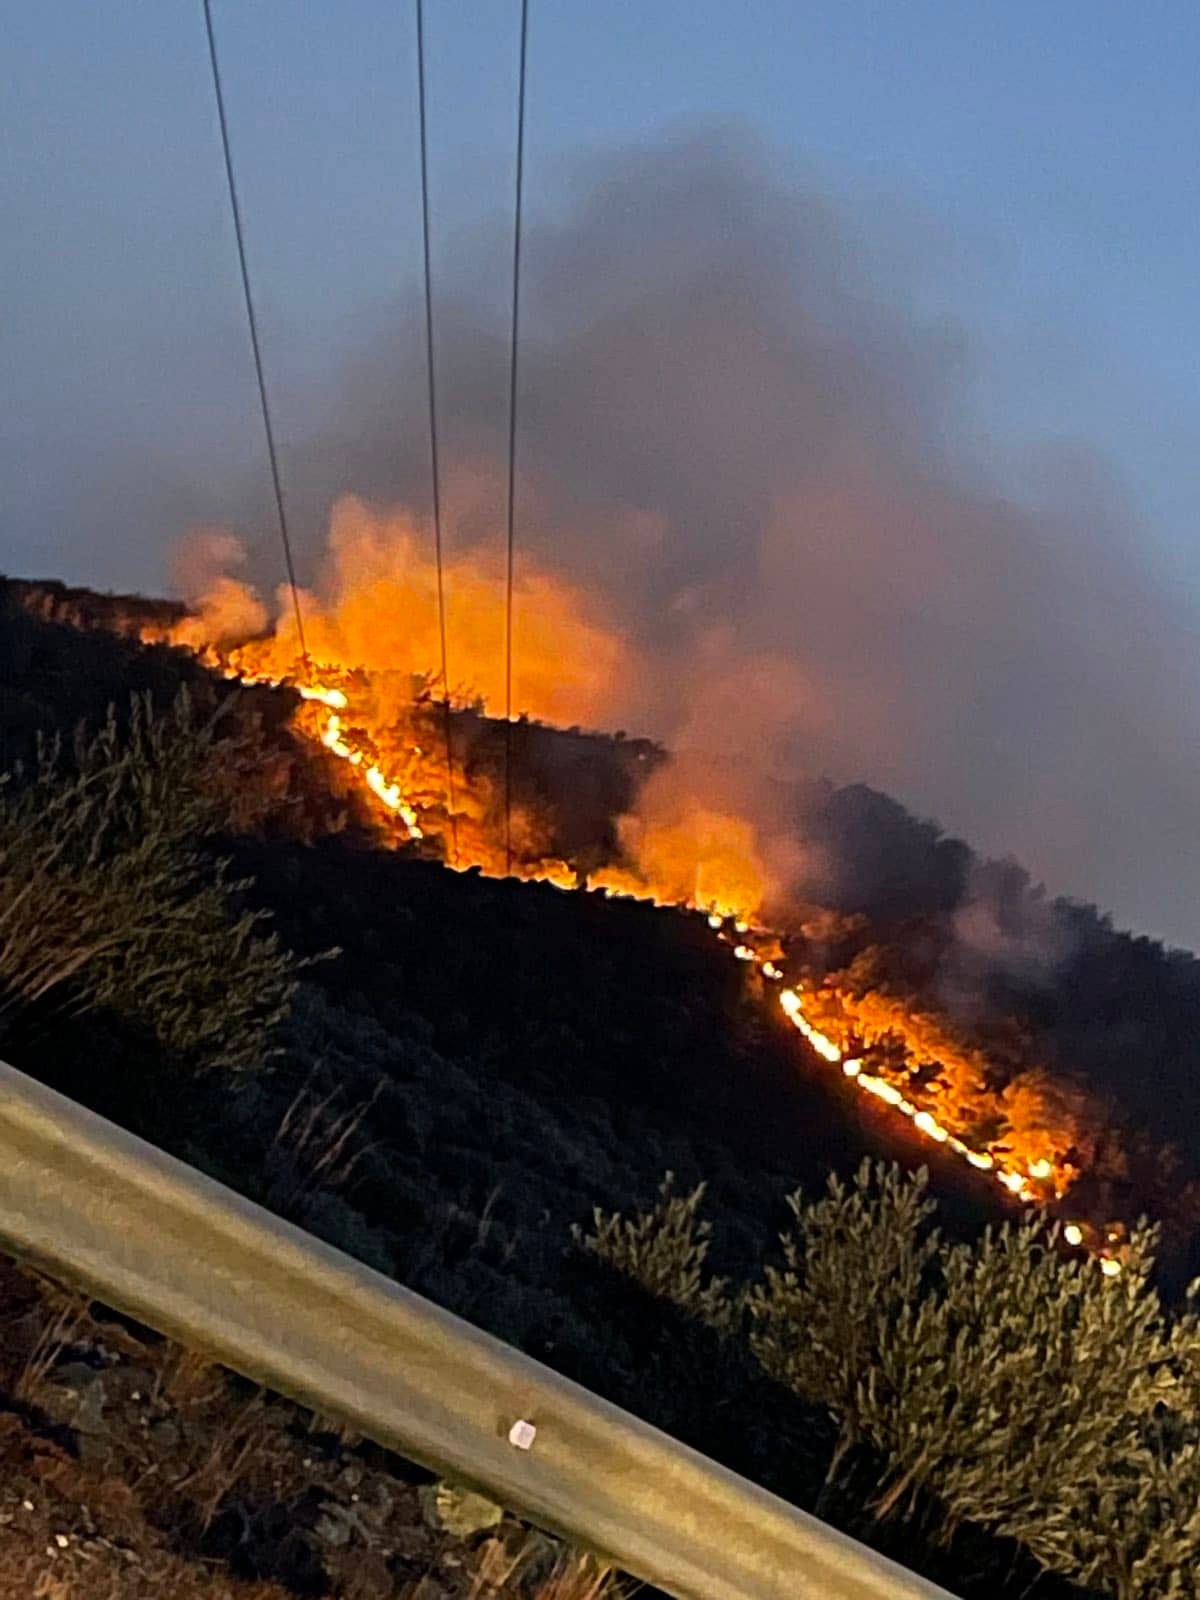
point(152, 1237)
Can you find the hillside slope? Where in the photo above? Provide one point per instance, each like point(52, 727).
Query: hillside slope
point(487, 1061)
point(890, 916)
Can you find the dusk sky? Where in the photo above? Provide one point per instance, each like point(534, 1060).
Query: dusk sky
point(1013, 182)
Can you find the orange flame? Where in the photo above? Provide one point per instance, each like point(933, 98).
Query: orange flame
point(690, 856)
point(371, 641)
point(376, 611)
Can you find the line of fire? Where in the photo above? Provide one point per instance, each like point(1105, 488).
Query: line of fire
point(383, 731)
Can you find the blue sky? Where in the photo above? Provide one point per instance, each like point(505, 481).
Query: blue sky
point(1023, 175)
point(1051, 146)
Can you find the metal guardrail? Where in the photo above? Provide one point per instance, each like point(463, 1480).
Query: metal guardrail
point(151, 1237)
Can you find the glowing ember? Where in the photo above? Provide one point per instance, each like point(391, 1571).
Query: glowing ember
point(880, 1088)
point(930, 1126)
point(1015, 1183)
point(333, 698)
point(336, 740)
point(791, 1003)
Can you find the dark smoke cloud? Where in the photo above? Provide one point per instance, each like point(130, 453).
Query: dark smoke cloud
point(733, 425)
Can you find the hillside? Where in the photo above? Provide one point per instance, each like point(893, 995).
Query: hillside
point(1042, 1012)
point(487, 1061)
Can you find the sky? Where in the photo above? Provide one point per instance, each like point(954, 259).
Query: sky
point(1009, 186)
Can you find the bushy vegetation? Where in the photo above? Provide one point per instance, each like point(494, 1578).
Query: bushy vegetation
point(664, 1249)
point(109, 901)
point(1003, 1382)
point(854, 1263)
point(487, 1064)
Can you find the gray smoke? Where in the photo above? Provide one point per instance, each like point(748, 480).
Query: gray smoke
point(734, 428)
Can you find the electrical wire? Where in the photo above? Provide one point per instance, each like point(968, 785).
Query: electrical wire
point(512, 443)
point(251, 318)
point(435, 472)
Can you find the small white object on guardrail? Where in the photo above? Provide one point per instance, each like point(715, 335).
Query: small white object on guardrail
point(522, 1434)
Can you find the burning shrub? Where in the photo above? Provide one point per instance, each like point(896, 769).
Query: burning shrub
point(664, 1249)
point(108, 901)
point(979, 1074)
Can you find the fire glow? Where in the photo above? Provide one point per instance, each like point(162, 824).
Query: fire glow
point(706, 862)
point(1018, 1184)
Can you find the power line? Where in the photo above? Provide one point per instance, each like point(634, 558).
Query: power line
point(433, 430)
point(253, 321)
point(512, 444)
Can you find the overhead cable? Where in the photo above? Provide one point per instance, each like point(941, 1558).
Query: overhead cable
point(255, 345)
point(434, 465)
point(512, 442)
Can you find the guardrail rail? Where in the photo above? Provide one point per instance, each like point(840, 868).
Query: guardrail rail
point(151, 1237)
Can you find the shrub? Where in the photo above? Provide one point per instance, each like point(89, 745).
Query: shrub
point(855, 1263)
point(1003, 1382)
point(1020, 1387)
point(664, 1249)
point(108, 900)
point(1140, 1536)
point(1016, 1386)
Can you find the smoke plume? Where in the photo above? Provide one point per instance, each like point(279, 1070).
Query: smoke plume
point(749, 526)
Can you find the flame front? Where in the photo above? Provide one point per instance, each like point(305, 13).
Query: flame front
point(723, 909)
point(1024, 1185)
point(690, 854)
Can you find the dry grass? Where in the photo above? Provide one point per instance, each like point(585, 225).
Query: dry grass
point(188, 1379)
point(316, 1145)
point(24, 1572)
point(69, 1533)
point(106, 901)
point(580, 1577)
point(172, 1454)
point(235, 1452)
point(66, 1315)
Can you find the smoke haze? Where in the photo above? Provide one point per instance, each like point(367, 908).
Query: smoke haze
point(755, 459)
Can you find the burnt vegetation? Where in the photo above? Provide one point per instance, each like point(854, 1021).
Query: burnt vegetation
point(486, 1063)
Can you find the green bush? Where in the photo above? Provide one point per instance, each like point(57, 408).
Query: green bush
point(108, 900)
point(854, 1264)
point(1140, 1535)
point(1019, 1385)
point(664, 1249)
point(1004, 1383)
